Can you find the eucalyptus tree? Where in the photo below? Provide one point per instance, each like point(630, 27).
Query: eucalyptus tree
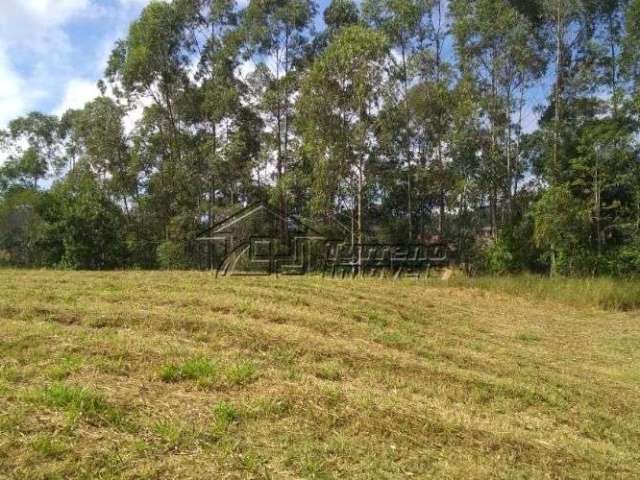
point(439, 78)
point(561, 20)
point(403, 22)
point(631, 76)
point(338, 15)
point(341, 13)
point(99, 140)
point(151, 64)
point(32, 151)
point(609, 50)
point(340, 97)
point(277, 33)
point(587, 53)
point(218, 106)
point(497, 47)
point(32, 147)
point(631, 45)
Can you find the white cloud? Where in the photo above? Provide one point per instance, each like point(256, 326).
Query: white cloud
point(78, 92)
point(245, 69)
point(51, 11)
point(34, 52)
point(12, 102)
point(53, 51)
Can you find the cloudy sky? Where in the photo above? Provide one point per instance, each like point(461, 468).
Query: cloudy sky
point(52, 52)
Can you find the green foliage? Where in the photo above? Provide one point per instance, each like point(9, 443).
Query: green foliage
point(151, 48)
point(498, 258)
point(172, 255)
point(626, 261)
point(200, 369)
point(631, 45)
point(80, 403)
point(561, 227)
point(338, 95)
point(515, 249)
point(89, 224)
point(401, 121)
point(31, 146)
point(341, 13)
point(242, 373)
point(226, 414)
point(25, 235)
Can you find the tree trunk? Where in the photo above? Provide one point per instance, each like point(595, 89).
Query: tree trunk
point(359, 224)
point(558, 86)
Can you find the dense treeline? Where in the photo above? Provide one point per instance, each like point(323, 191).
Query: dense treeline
point(508, 127)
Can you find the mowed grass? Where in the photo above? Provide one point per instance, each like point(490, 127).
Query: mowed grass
point(177, 375)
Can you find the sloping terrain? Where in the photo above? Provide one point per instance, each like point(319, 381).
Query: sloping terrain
point(178, 375)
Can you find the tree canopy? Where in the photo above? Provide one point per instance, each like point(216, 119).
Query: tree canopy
point(508, 128)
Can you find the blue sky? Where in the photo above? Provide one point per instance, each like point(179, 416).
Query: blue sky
point(52, 52)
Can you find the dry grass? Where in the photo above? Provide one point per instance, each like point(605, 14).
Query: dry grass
point(177, 375)
point(602, 292)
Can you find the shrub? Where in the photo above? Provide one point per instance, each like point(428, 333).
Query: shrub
point(498, 258)
point(172, 256)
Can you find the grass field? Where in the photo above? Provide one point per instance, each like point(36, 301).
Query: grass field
point(179, 376)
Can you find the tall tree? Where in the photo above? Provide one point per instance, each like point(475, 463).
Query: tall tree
point(496, 45)
point(631, 47)
point(403, 23)
point(151, 64)
point(32, 146)
point(278, 29)
point(228, 129)
point(340, 96)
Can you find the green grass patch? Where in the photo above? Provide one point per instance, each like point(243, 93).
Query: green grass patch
point(49, 446)
point(11, 374)
point(527, 337)
point(225, 414)
point(79, 402)
point(241, 373)
point(65, 367)
point(329, 371)
point(199, 369)
point(175, 434)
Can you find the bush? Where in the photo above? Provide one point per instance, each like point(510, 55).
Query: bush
point(628, 259)
point(561, 228)
point(172, 256)
point(91, 226)
point(514, 251)
point(498, 258)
